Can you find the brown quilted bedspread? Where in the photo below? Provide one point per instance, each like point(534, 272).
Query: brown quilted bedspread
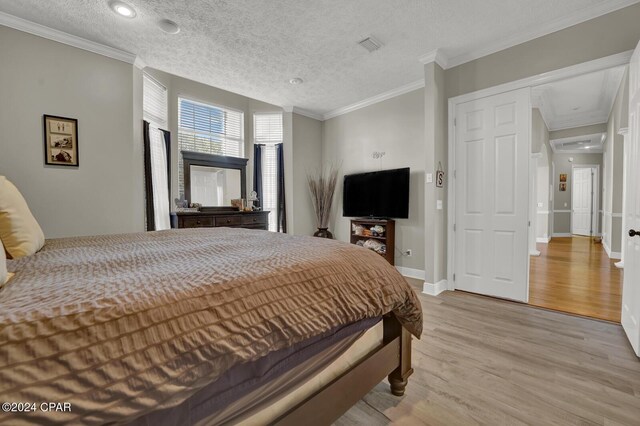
point(122, 325)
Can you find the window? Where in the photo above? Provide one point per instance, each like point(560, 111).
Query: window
point(268, 132)
point(155, 111)
point(209, 129)
point(154, 102)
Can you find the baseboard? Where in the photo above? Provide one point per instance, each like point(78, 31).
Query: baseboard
point(435, 289)
point(561, 234)
point(611, 254)
point(418, 274)
point(534, 253)
point(543, 240)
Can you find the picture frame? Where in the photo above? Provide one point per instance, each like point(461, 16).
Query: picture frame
point(563, 177)
point(60, 141)
point(563, 187)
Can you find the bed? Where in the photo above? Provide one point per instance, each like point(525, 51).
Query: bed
point(202, 326)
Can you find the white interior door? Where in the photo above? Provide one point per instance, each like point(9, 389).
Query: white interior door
point(492, 144)
point(582, 201)
point(631, 284)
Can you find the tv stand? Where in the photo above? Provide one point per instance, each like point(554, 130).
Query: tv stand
point(388, 237)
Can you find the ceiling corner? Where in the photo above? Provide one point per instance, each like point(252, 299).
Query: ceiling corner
point(436, 56)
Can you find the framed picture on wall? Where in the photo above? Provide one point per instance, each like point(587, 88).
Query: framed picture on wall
point(563, 177)
point(563, 187)
point(60, 141)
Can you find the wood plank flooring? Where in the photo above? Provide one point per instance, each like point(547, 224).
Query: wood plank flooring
point(484, 361)
point(575, 275)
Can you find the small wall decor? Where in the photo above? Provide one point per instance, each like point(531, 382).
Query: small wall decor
point(439, 176)
point(563, 187)
point(563, 177)
point(60, 141)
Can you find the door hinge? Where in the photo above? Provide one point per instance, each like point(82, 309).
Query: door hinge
point(455, 122)
point(454, 174)
point(454, 227)
point(454, 277)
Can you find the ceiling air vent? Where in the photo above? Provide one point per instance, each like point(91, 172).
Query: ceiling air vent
point(371, 44)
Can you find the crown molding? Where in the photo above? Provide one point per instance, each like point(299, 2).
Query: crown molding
point(375, 99)
point(139, 63)
point(579, 17)
point(309, 114)
point(436, 56)
point(65, 38)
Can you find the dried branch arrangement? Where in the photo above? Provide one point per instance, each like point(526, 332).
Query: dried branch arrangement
point(322, 186)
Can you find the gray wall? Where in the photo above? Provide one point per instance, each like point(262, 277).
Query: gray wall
point(603, 36)
point(104, 195)
point(396, 127)
point(307, 158)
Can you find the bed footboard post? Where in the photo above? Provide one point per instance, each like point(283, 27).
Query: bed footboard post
point(398, 377)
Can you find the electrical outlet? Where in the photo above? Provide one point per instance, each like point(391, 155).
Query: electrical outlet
point(408, 253)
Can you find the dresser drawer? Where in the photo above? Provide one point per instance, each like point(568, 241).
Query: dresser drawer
point(228, 220)
point(254, 220)
point(197, 222)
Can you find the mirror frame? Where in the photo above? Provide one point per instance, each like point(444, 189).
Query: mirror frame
point(190, 158)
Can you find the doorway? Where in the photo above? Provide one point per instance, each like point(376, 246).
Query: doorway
point(569, 211)
point(584, 200)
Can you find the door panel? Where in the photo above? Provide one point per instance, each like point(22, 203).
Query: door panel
point(631, 284)
point(492, 144)
point(582, 201)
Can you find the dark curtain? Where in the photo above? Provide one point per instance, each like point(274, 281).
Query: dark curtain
point(281, 225)
point(148, 179)
point(257, 172)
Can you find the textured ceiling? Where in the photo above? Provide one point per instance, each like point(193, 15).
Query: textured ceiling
point(578, 101)
point(253, 47)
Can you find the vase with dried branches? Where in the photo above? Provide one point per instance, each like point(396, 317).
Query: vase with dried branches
point(322, 186)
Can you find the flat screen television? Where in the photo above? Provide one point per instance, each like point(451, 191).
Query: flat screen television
point(383, 194)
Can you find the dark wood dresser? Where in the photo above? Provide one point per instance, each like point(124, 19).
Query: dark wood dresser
point(221, 217)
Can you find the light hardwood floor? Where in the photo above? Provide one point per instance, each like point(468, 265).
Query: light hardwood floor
point(492, 362)
point(575, 275)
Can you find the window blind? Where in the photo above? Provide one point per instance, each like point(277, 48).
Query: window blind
point(154, 102)
point(267, 129)
point(208, 129)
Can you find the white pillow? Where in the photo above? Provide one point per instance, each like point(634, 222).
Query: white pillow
point(20, 232)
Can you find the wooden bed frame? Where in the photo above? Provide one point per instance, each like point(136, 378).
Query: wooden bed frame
point(391, 359)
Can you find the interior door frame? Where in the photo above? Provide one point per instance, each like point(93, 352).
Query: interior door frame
point(600, 64)
point(595, 201)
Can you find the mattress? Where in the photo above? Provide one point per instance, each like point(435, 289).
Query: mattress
point(124, 325)
point(257, 393)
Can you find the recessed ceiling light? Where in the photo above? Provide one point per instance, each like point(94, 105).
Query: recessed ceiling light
point(296, 81)
point(168, 26)
point(123, 9)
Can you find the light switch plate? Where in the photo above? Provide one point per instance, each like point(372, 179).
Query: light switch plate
point(429, 177)
point(439, 204)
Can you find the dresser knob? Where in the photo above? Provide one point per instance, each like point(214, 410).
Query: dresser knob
point(228, 220)
point(198, 222)
point(254, 219)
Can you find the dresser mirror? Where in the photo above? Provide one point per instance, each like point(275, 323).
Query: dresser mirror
point(213, 180)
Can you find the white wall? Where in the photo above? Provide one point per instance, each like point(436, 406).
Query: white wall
point(396, 127)
point(540, 145)
point(613, 172)
point(104, 195)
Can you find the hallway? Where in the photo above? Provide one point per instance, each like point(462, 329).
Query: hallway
point(575, 275)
